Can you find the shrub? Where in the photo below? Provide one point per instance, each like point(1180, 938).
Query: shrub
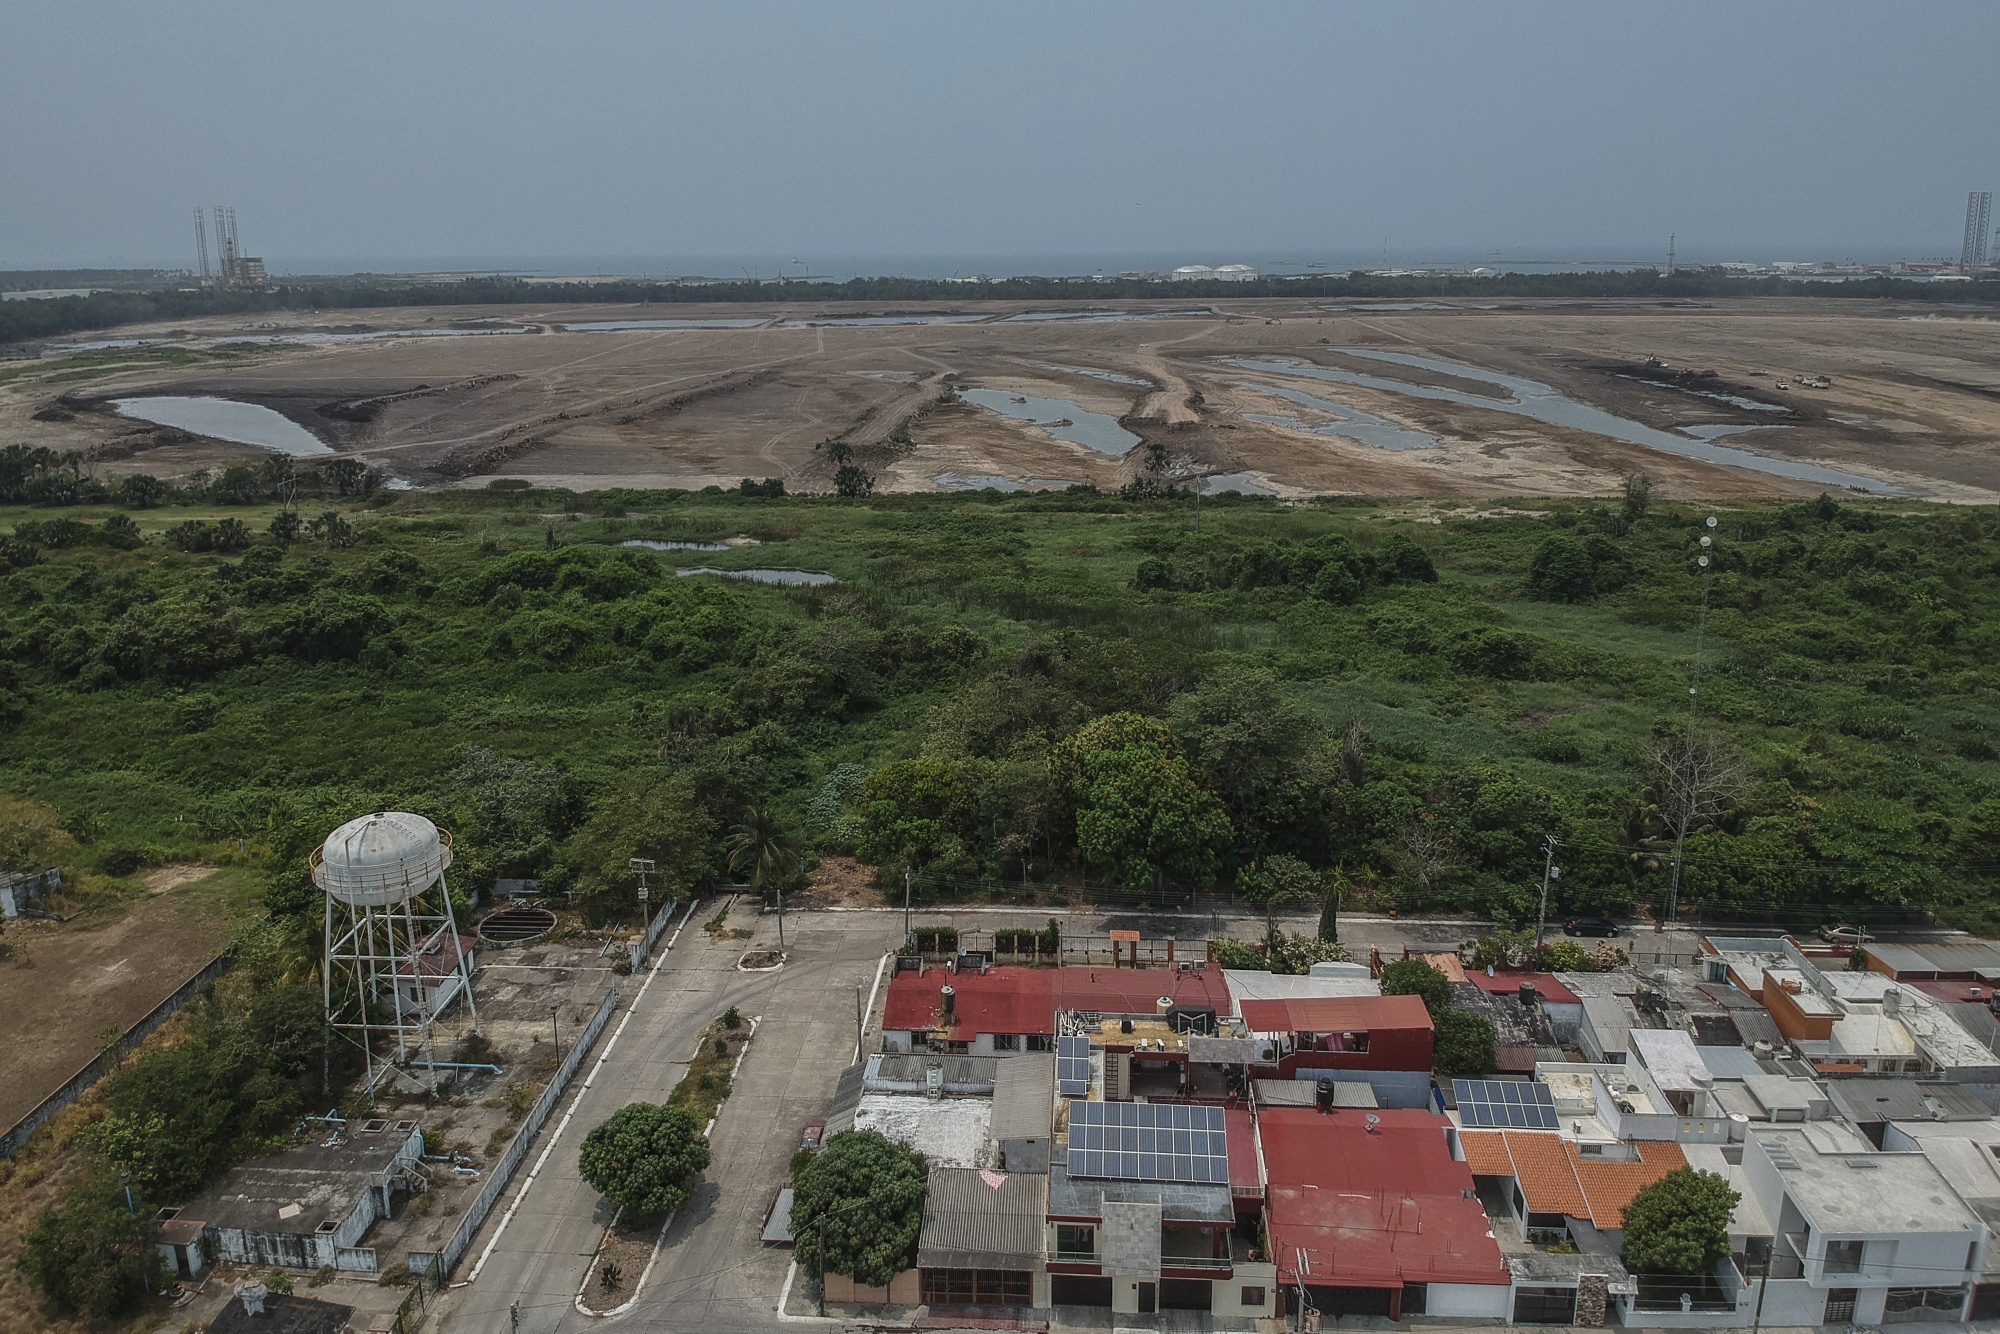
point(93, 1257)
point(1414, 977)
point(1464, 1043)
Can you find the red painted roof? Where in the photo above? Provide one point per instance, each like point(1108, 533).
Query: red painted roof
point(1240, 1134)
point(440, 957)
point(1372, 1208)
point(1335, 1014)
point(1956, 992)
point(1025, 1000)
point(1509, 984)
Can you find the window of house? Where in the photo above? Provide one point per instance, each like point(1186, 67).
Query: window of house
point(1076, 1241)
point(976, 1287)
point(1041, 1042)
point(1252, 1297)
point(1843, 1257)
point(1839, 1306)
point(1006, 1042)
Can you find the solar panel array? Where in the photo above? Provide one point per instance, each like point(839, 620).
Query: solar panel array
point(1148, 1141)
point(1505, 1104)
point(1073, 1066)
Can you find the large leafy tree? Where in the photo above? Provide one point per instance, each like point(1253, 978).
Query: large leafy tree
point(643, 1156)
point(1281, 881)
point(858, 1206)
point(1259, 752)
point(1464, 1043)
point(922, 811)
point(655, 815)
point(95, 1256)
point(1142, 817)
point(1414, 977)
point(1680, 1223)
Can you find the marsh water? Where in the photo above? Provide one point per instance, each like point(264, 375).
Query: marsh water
point(651, 545)
point(788, 577)
point(1531, 398)
point(1093, 429)
point(226, 419)
point(1350, 422)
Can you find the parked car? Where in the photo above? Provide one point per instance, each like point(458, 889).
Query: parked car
point(1590, 926)
point(1844, 935)
point(813, 1134)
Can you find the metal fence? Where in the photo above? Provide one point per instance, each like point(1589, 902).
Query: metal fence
point(107, 1060)
point(1030, 946)
point(503, 1171)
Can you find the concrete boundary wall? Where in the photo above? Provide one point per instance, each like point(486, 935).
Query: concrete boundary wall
point(105, 1062)
point(510, 1161)
point(643, 950)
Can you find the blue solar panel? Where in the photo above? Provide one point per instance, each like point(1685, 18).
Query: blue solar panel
point(1148, 1142)
point(1073, 1066)
point(1505, 1104)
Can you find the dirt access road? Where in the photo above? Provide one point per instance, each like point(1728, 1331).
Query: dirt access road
point(69, 988)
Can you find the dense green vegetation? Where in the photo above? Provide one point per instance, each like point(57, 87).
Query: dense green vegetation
point(1296, 704)
point(20, 320)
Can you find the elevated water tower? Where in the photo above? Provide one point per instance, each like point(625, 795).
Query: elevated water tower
point(394, 958)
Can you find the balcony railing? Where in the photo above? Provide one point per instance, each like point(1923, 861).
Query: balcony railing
point(1196, 1262)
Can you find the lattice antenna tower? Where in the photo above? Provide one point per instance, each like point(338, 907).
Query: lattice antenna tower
point(1978, 221)
point(394, 961)
point(201, 245)
point(225, 244)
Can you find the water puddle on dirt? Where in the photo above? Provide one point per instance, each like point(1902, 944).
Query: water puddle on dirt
point(1350, 423)
point(619, 326)
point(1112, 377)
point(674, 546)
point(226, 419)
point(874, 321)
point(1060, 417)
point(1545, 403)
point(1245, 483)
point(270, 339)
point(1101, 316)
point(786, 577)
point(975, 481)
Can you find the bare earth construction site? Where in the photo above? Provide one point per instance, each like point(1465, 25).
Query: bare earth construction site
point(1430, 398)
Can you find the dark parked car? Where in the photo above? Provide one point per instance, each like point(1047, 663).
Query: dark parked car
point(1590, 926)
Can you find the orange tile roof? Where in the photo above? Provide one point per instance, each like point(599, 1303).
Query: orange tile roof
point(1556, 1179)
point(1547, 1174)
point(1486, 1153)
point(1609, 1187)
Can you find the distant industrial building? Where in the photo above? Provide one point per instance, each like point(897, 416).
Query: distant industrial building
point(233, 268)
point(1227, 273)
point(1978, 222)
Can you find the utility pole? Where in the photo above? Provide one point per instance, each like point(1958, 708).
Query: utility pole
point(906, 905)
point(643, 867)
point(1757, 1321)
point(1550, 871)
point(781, 923)
point(1687, 798)
point(859, 1026)
point(555, 1033)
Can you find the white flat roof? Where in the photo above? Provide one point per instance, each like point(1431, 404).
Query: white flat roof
point(1669, 1055)
point(1865, 1192)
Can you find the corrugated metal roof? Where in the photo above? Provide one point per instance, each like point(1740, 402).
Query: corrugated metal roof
point(1024, 1090)
point(975, 1218)
point(846, 1097)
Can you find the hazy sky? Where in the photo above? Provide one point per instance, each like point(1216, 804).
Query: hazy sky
point(482, 131)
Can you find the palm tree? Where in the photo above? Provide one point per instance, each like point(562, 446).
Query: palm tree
point(768, 849)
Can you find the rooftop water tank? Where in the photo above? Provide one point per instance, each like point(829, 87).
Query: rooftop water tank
point(380, 859)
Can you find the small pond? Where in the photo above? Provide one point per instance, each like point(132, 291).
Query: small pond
point(1060, 417)
point(871, 321)
point(1545, 403)
point(226, 419)
point(1244, 482)
point(616, 326)
point(1350, 422)
point(673, 546)
point(1717, 432)
point(788, 577)
point(975, 481)
point(1111, 376)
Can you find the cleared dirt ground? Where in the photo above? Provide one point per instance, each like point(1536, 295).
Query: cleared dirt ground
point(72, 986)
point(1912, 399)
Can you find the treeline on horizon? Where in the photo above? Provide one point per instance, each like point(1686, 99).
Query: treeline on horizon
point(21, 321)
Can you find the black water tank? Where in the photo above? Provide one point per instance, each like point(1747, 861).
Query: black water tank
point(1528, 994)
point(948, 997)
point(1323, 1094)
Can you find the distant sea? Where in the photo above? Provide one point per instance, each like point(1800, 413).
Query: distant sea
point(840, 268)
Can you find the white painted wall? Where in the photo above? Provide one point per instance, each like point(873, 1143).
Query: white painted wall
point(1227, 1300)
